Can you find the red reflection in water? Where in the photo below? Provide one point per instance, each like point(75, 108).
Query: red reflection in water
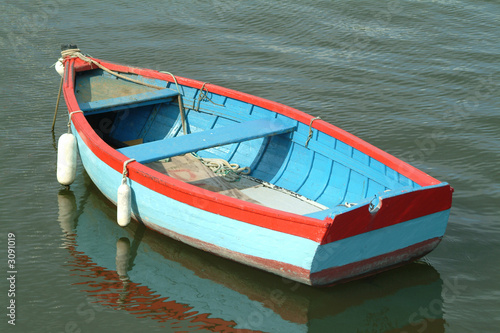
point(120, 293)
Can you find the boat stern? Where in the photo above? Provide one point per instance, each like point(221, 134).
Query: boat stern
point(367, 239)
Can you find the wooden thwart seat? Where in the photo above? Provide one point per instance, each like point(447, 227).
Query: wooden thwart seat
point(239, 132)
point(130, 101)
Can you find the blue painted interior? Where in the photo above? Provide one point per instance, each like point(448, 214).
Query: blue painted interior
point(130, 101)
point(327, 170)
point(179, 145)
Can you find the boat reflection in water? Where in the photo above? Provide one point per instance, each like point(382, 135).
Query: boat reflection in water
point(152, 276)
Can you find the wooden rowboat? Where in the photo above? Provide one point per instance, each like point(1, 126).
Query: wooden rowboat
point(309, 202)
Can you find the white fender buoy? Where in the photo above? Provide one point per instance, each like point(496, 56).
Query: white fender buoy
point(59, 67)
point(66, 159)
point(123, 204)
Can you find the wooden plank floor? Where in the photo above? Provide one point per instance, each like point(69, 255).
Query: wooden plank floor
point(191, 170)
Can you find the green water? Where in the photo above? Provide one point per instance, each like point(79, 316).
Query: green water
point(419, 79)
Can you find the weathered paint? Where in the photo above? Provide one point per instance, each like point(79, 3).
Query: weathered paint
point(380, 241)
point(373, 265)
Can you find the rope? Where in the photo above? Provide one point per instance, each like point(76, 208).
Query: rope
point(69, 119)
point(310, 130)
point(175, 80)
point(75, 53)
point(203, 95)
point(57, 103)
point(181, 106)
point(125, 171)
point(229, 171)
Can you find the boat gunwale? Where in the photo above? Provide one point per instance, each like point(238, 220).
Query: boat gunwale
point(307, 227)
point(418, 176)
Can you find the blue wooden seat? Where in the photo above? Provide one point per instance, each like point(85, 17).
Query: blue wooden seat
point(254, 129)
point(130, 101)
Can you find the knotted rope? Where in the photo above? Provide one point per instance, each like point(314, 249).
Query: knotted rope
point(125, 171)
point(69, 119)
point(202, 96)
point(310, 130)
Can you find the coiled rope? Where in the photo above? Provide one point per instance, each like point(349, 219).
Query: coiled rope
point(231, 172)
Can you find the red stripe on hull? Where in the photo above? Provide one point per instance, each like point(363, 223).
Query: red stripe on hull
point(373, 265)
point(393, 210)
